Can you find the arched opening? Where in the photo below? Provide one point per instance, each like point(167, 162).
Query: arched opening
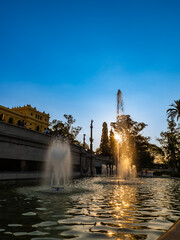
point(19, 123)
point(10, 120)
point(1, 117)
point(37, 128)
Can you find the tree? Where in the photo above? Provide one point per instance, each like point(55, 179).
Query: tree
point(104, 145)
point(170, 142)
point(158, 154)
point(65, 130)
point(175, 110)
point(133, 144)
point(112, 145)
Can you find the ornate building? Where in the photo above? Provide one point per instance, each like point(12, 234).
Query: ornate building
point(26, 116)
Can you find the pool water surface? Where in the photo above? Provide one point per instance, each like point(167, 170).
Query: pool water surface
point(89, 208)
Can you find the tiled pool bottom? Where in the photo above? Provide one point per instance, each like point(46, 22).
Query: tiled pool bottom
point(91, 208)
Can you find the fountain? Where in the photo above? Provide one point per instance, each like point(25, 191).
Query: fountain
point(58, 165)
point(125, 156)
point(125, 142)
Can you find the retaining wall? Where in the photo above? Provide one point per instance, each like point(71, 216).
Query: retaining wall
point(23, 151)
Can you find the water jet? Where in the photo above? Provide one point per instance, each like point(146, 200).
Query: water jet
point(58, 166)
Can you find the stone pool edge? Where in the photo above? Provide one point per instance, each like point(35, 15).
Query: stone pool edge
point(173, 233)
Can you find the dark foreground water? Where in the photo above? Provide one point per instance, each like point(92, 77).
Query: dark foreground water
point(98, 208)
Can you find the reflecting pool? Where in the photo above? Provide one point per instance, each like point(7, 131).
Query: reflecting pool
point(91, 208)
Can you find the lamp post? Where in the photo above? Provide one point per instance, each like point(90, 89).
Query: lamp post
point(91, 136)
point(84, 140)
point(91, 146)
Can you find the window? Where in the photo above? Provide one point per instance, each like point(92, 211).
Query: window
point(31, 114)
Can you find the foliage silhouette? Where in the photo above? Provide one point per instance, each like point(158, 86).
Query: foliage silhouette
point(134, 144)
point(104, 145)
point(170, 142)
point(65, 130)
point(175, 110)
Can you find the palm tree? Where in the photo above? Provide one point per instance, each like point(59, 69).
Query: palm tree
point(175, 110)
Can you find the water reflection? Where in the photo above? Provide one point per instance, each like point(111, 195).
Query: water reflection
point(97, 208)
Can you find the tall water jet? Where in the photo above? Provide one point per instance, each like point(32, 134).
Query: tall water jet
point(120, 103)
point(124, 141)
point(58, 167)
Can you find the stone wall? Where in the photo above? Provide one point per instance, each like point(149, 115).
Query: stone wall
point(23, 151)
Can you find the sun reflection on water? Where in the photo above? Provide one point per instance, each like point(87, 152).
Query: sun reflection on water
point(123, 197)
point(98, 208)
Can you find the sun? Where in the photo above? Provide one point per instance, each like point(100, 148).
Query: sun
point(118, 137)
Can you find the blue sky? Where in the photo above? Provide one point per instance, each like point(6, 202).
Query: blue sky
point(71, 57)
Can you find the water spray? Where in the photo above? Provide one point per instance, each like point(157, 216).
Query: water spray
point(120, 103)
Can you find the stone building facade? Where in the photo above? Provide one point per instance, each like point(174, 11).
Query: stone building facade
point(26, 116)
